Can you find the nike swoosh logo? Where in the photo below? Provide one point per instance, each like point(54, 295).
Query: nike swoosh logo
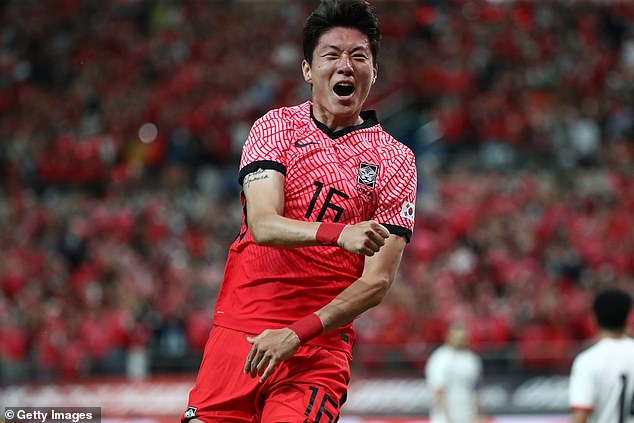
point(302, 145)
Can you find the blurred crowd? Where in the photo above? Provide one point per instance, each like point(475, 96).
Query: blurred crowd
point(121, 125)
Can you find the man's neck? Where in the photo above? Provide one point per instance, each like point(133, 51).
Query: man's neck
point(336, 123)
point(612, 334)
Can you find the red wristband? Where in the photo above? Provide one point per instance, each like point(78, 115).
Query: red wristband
point(328, 233)
point(308, 327)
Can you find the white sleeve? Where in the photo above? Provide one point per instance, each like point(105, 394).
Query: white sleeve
point(582, 391)
point(435, 370)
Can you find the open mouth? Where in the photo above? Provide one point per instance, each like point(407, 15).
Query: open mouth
point(343, 89)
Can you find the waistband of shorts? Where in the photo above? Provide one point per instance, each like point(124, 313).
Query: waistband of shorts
point(340, 340)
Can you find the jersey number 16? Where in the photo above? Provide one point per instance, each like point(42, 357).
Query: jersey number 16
point(327, 203)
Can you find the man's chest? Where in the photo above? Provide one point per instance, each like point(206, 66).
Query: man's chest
point(462, 370)
point(332, 182)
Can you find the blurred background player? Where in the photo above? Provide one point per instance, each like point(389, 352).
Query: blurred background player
point(602, 378)
point(322, 174)
point(453, 373)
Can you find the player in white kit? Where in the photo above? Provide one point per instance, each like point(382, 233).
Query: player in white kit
point(602, 377)
point(453, 373)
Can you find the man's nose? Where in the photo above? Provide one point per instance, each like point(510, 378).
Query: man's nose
point(345, 64)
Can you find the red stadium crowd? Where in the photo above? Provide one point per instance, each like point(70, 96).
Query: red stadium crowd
point(120, 125)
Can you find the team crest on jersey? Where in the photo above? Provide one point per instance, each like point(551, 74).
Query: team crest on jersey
point(407, 210)
point(367, 174)
point(190, 413)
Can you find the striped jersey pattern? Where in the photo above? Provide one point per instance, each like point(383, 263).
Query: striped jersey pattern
point(352, 175)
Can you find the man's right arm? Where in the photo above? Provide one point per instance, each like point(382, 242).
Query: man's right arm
point(264, 194)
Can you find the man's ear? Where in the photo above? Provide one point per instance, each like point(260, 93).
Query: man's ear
point(376, 73)
point(307, 72)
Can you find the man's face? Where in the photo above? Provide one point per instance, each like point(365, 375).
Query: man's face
point(457, 336)
point(341, 74)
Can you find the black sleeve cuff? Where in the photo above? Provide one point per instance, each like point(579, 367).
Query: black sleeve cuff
point(399, 230)
point(260, 164)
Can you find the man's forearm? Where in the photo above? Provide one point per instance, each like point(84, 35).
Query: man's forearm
point(351, 302)
point(279, 231)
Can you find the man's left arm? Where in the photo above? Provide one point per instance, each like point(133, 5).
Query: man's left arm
point(273, 346)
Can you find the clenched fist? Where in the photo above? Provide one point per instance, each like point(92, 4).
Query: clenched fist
point(364, 238)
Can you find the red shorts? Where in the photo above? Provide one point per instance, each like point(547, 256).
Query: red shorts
point(309, 387)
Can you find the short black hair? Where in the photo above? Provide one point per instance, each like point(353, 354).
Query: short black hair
point(611, 308)
point(356, 14)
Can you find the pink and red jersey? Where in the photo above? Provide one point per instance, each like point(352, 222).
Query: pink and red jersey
point(356, 174)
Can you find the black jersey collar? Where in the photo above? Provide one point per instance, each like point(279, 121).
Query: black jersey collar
point(369, 120)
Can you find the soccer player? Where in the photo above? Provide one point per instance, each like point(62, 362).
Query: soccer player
point(453, 373)
point(328, 200)
point(602, 377)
